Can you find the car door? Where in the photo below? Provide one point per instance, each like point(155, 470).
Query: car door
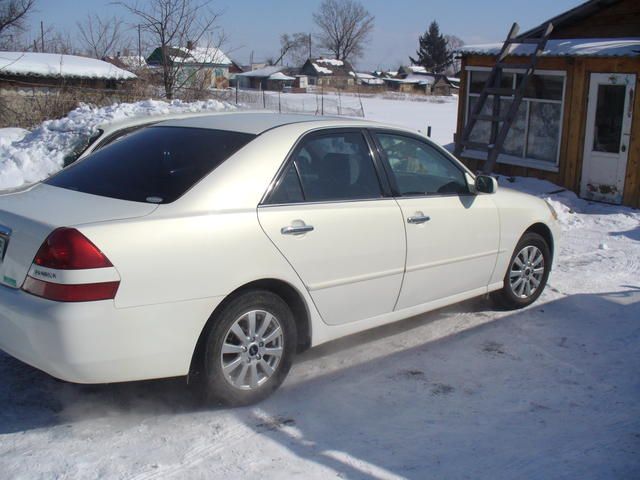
point(329, 216)
point(452, 234)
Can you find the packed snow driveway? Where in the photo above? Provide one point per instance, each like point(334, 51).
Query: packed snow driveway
point(466, 392)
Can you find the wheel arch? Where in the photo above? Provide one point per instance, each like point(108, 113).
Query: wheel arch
point(292, 297)
point(545, 232)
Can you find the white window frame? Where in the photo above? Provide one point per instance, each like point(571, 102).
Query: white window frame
point(512, 159)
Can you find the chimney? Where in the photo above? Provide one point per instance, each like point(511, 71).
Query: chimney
point(190, 45)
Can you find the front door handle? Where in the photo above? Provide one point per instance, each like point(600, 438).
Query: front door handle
point(418, 218)
point(296, 229)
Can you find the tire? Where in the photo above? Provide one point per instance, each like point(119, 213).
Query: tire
point(523, 269)
point(248, 357)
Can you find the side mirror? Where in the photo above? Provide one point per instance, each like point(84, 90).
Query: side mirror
point(486, 184)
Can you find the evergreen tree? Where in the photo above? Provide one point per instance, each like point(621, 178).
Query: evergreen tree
point(433, 51)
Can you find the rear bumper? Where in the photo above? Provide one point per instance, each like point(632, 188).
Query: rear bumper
point(95, 342)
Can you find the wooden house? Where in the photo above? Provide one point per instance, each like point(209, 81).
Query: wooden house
point(329, 72)
point(208, 66)
point(579, 123)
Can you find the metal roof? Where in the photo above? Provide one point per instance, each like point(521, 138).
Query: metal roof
point(571, 47)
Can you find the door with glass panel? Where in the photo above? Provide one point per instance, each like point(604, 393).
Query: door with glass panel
point(607, 136)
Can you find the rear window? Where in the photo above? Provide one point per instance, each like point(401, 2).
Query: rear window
point(153, 165)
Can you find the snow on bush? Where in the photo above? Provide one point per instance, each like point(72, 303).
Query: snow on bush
point(27, 157)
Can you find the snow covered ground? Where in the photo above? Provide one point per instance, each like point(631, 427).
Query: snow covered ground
point(551, 391)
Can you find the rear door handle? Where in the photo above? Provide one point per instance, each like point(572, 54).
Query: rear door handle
point(296, 229)
point(418, 218)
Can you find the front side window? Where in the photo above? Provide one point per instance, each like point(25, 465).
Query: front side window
point(419, 169)
point(153, 165)
point(329, 167)
point(536, 131)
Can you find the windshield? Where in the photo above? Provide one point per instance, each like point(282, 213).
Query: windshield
point(153, 165)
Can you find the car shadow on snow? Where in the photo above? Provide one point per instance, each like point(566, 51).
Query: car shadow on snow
point(464, 391)
point(31, 399)
point(553, 388)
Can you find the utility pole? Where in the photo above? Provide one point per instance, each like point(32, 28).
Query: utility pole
point(41, 36)
point(139, 47)
point(309, 45)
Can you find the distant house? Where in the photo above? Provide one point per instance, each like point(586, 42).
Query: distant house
point(271, 77)
point(329, 72)
point(46, 71)
point(209, 66)
point(133, 63)
point(368, 80)
point(579, 122)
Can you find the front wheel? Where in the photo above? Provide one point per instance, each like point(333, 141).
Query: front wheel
point(249, 349)
point(527, 274)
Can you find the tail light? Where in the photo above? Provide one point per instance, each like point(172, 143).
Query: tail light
point(68, 249)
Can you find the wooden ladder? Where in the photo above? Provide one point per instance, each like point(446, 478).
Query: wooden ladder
point(500, 124)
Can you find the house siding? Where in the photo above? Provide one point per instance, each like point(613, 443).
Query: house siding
point(578, 70)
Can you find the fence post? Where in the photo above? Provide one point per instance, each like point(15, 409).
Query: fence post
point(264, 100)
point(237, 91)
point(322, 100)
point(279, 103)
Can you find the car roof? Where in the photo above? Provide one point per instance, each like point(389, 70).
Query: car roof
point(144, 119)
point(255, 122)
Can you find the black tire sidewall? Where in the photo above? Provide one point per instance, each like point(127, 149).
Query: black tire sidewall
point(216, 388)
point(508, 296)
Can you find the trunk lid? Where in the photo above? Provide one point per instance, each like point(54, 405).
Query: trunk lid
point(28, 217)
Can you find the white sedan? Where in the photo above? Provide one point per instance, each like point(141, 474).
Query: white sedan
point(220, 246)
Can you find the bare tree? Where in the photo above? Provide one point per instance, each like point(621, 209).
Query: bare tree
point(295, 47)
point(12, 16)
point(100, 35)
point(453, 44)
point(345, 26)
point(175, 26)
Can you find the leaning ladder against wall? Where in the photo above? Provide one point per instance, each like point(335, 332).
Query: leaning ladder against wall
point(500, 124)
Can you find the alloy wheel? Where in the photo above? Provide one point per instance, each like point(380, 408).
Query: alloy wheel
point(252, 349)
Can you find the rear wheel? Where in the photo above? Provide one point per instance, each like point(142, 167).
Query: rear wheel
point(249, 349)
point(527, 274)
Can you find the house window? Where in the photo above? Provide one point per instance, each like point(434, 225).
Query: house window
point(534, 137)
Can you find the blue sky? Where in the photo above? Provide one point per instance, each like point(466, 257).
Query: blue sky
point(255, 25)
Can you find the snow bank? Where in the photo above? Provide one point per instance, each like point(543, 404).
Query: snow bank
point(56, 65)
point(27, 157)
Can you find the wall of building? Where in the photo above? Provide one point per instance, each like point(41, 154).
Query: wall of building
point(578, 70)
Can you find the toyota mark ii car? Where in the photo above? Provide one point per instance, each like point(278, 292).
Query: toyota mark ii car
point(217, 247)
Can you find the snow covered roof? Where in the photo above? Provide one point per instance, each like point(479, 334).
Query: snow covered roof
point(280, 76)
point(330, 61)
point(330, 66)
point(368, 79)
point(262, 72)
point(133, 61)
point(417, 69)
point(320, 69)
point(59, 66)
point(590, 47)
point(200, 55)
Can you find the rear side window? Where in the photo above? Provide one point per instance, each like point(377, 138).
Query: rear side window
point(329, 167)
point(153, 165)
